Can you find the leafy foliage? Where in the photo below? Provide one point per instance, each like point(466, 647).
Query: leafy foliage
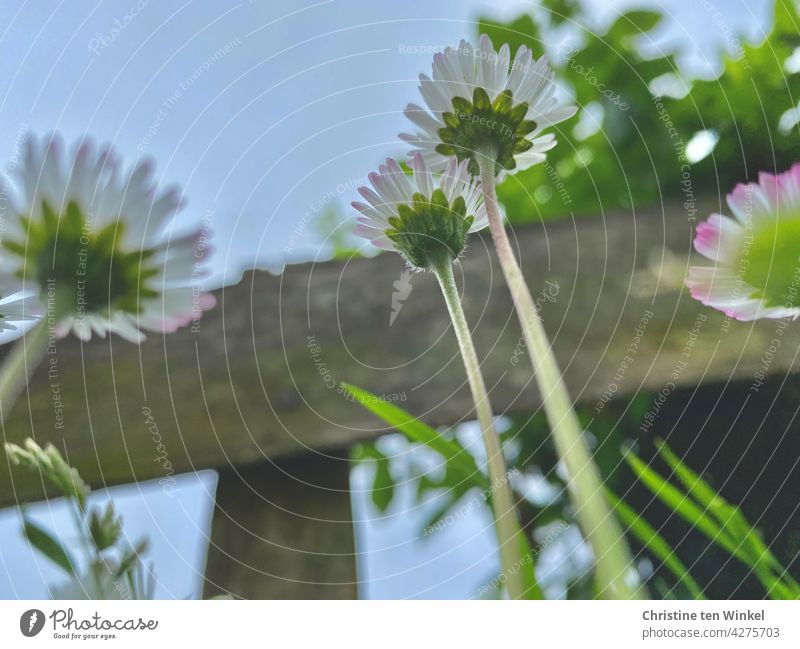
point(629, 145)
point(460, 463)
point(111, 563)
point(461, 474)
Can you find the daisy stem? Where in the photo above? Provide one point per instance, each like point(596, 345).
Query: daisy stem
point(612, 556)
point(20, 365)
point(506, 525)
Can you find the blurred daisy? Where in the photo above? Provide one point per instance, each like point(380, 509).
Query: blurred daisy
point(90, 239)
point(756, 273)
point(425, 218)
point(481, 104)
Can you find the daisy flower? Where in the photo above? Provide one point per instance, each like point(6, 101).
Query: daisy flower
point(90, 239)
point(480, 103)
point(491, 112)
point(756, 255)
point(425, 218)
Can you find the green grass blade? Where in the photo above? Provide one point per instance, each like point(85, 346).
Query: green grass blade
point(678, 502)
point(654, 542)
point(729, 517)
point(718, 531)
point(527, 569)
point(733, 521)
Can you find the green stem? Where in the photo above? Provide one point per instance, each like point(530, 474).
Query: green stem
point(506, 524)
point(612, 556)
point(19, 366)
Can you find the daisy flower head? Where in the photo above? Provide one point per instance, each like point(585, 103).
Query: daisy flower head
point(756, 254)
point(90, 240)
point(481, 103)
point(424, 217)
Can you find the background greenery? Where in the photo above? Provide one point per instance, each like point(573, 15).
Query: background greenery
point(624, 157)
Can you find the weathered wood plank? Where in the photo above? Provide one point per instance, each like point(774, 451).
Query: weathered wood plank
point(257, 379)
point(284, 531)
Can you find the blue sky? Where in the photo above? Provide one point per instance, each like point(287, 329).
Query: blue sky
point(262, 111)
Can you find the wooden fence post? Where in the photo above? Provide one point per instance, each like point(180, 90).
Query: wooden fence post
point(284, 531)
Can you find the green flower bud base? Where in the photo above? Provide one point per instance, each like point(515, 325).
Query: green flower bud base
point(481, 125)
point(430, 232)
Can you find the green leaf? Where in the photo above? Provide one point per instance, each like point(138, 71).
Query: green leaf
point(382, 484)
point(47, 545)
point(104, 528)
point(654, 542)
point(522, 31)
point(132, 558)
point(635, 23)
point(460, 461)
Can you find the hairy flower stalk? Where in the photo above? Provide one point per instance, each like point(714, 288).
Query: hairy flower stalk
point(602, 531)
point(490, 111)
point(427, 220)
point(502, 499)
